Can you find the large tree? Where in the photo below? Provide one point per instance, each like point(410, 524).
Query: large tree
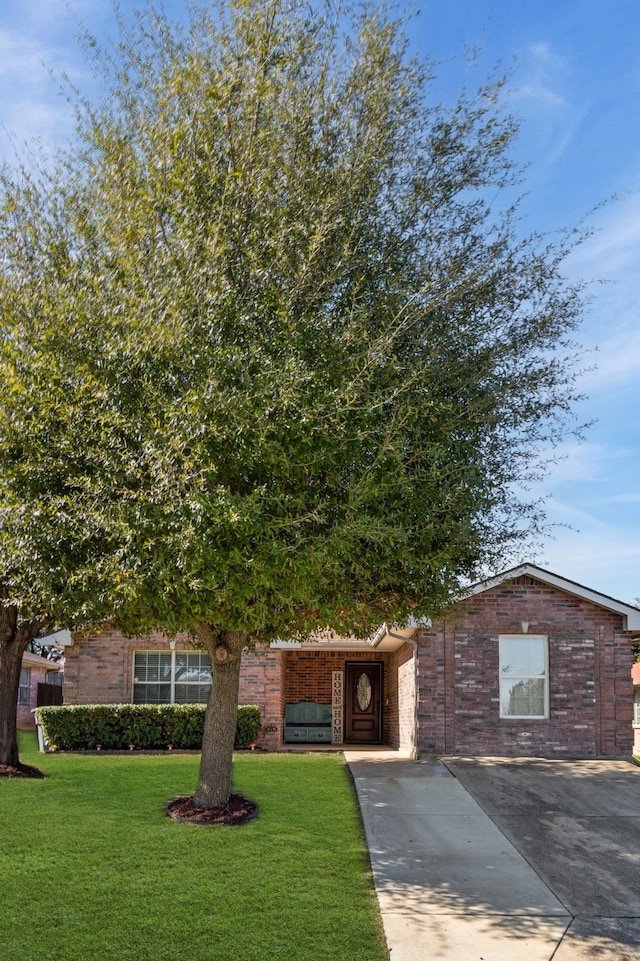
point(276, 355)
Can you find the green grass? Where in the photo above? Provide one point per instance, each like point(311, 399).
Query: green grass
point(94, 870)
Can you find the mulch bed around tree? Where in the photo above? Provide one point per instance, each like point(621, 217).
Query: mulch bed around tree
point(237, 810)
point(20, 770)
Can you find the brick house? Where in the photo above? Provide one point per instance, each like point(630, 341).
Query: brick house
point(37, 673)
point(527, 663)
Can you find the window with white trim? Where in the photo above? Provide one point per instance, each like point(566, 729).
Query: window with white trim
point(524, 676)
point(636, 706)
point(171, 677)
point(23, 689)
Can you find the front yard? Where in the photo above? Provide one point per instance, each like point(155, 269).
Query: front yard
point(94, 870)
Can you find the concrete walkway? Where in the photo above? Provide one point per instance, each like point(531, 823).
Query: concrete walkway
point(451, 887)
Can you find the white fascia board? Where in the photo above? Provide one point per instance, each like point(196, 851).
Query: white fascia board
point(391, 636)
point(375, 638)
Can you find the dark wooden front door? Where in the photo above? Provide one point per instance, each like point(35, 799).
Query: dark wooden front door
point(363, 682)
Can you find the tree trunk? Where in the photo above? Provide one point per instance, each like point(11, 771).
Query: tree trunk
point(10, 666)
point(221, 717)
point(14, 638)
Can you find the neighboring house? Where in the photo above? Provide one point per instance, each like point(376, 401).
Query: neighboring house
point(40, 683)
point(635, 677)
point(527, 663)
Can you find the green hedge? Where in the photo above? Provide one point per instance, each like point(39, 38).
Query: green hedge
point(115, 727)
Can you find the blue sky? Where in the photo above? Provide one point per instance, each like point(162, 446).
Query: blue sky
point(576, 88)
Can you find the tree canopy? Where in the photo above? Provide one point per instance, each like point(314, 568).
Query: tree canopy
point(274, 353)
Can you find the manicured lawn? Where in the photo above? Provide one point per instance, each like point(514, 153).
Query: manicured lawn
point(94, 870)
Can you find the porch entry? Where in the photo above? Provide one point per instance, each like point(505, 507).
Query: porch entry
point(363, 697)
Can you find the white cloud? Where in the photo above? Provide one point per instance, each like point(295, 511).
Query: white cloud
point(539, 92)
point(41, 14)
point(601, 554)
point(594, 519)
point(586, 462)
point(616, 362)
point(614, 247)
point(552, 110)
point(20, 58)
point(633, 498)
point(612, 254)
point(38, 37)
point(543, 73)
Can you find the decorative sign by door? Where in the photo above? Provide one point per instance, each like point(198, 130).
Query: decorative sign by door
point(337, 700)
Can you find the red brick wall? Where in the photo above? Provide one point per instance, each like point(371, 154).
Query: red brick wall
point(431, 710)
point(307, 673)
point(400, 699)
point(307, 677)
point(589, 676)
point(261, 684)
point(98, 670)
point(98, 667)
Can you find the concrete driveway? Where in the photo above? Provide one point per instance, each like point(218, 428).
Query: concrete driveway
point(482, 859)
point(577, 823)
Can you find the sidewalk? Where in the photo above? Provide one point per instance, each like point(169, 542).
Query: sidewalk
point(451, 887)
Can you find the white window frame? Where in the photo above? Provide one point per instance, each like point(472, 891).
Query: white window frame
point(172, 682)
point(24, 688)
point(524, 677)
point(636, 706)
